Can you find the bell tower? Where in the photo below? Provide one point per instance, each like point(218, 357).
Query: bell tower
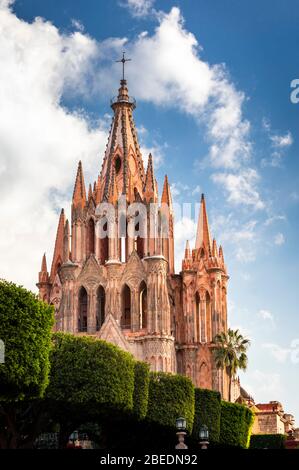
point(204, 281)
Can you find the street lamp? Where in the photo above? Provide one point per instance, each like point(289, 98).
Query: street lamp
point(204, 437)
point(181, 433)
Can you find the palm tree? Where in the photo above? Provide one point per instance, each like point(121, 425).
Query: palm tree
point(230, 353)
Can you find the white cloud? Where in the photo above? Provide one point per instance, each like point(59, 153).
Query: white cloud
point(295, 196)
point(246, 276)
point(281, 141)
point(177, 188)
point(241, 187)
point(6, 3)
point(196, 190)
point(236, 235)
point(279, 239)
point(266, 124)
point(77, 25)
point(184, 229)
point(138, 8)
point(279, 353)
point(157, 151)
point(195, 87)
point(40, 141)
point(265, 385)
point(273, 219)
point(266, 315)
point(279, 144)
point(245, 255)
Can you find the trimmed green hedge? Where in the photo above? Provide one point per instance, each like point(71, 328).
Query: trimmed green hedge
point(208, 412)
point(141, 389)
point(25, 329)
point(170, 396)
point(267, 441)
point(235, 425)
point(87, 370)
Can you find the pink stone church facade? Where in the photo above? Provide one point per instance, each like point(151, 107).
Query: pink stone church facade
point(123, 288)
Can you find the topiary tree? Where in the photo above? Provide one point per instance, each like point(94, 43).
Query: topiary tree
point(89, 378)
point(170, 396)
point(25, 329)
point(207, 412)
point(92, 371)
point(235, 425)
point(267, 441)
point(141, 389)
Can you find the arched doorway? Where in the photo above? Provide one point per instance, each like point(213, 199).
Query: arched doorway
point(100, 310)
point(143, 305)
point(82, 317)
point(126, 307)
point(90, 237)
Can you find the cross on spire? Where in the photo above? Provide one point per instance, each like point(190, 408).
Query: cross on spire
point(123, 61)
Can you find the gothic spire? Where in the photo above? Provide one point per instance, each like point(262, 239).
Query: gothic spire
point(123, 151)
point(66, 242)
point(203, 236)
point(214, 249)
point(79, 195)
point(150, 188)
point(97, 196)
point(44, 268)
point(166, 195)
point(187, 250)
point(90, 193)
point(43, 274)
point(58, 250)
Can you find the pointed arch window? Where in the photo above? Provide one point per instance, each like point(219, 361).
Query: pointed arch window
point(126, 307)
point(117, 164)
point(208, 317)
point(104, 241)
point(100, 310)
point(90, 237)
point(197, 317)
point(82, 317)
point(143, 305)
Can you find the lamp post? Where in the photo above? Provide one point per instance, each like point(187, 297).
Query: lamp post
point(204, 437)
point(181, 433)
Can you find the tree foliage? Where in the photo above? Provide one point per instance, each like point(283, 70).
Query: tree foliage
point(235, 425)
point(230, 353)
point(25, 329)
point(207, 412)
point(88, 371)
point(267, 441)
point(170, 397)
point(141, 389)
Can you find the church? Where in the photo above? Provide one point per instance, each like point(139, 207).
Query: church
point(119, 284)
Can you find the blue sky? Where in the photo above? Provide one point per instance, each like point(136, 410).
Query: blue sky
point(212, 82)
